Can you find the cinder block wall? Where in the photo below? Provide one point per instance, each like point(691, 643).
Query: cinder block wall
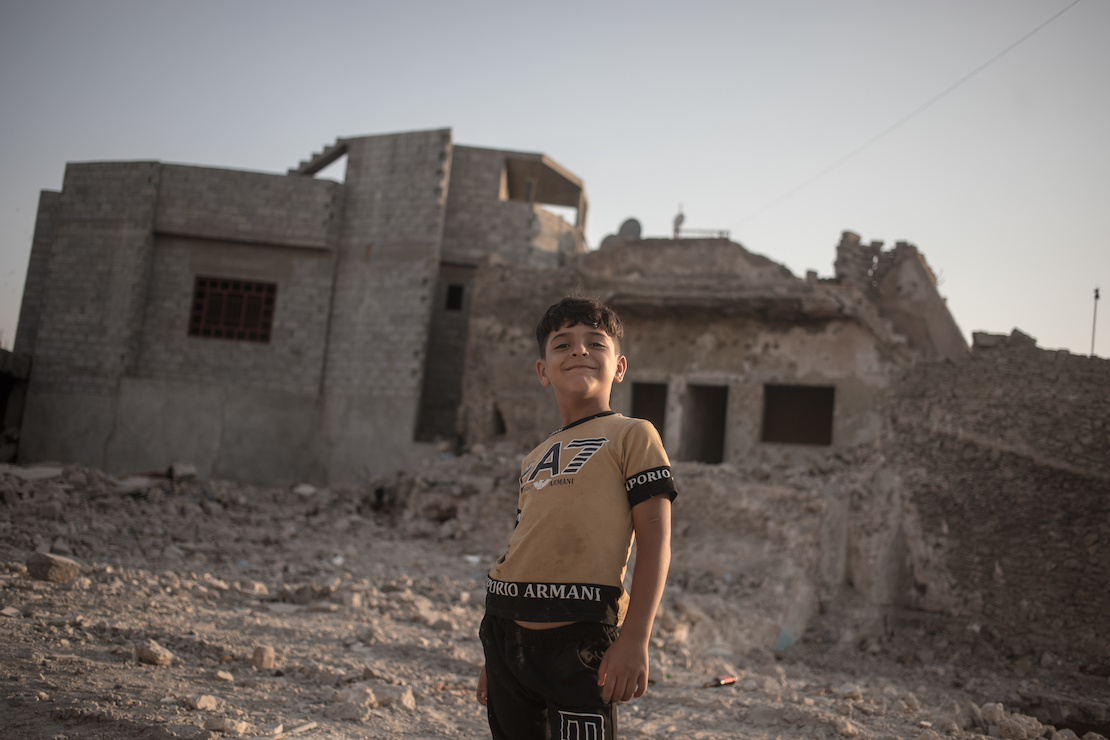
point(335, 396)
point(479, 222)
point(117, 382)
point(248, 226)
point(251, 207)
point(389, 255)
point(92, 299)
point(1006, 458)
point(96, 276)
point(34, 285)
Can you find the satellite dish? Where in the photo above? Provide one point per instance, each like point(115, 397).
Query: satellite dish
point(630, 229)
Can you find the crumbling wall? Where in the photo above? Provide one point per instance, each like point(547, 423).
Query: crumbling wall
point(698, 314)
point(904, 289)
point(1006, 461)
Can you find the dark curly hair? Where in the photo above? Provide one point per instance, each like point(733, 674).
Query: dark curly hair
point(574, 310)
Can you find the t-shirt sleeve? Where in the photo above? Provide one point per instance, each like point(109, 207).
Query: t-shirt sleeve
point(648, 469)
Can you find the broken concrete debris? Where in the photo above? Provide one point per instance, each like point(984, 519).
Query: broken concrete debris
point(202, 702)
point(403, 654)
point(53, 568)
point(263, 658)
point(151, 652)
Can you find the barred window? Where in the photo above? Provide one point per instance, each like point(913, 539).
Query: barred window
point(232, 309)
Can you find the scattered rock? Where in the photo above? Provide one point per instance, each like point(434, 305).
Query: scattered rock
point(910, 704)
point(229, 726)
point(263, 658)
point(53, 568)
point(183, 471)
point(154, 654)
point(850, 691)
point(993, 713)
point(395, 696)
point(202, 702)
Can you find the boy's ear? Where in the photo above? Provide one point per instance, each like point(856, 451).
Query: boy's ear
point(622, 368)
point(541, 371)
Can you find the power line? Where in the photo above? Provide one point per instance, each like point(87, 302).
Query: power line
point(921, 109)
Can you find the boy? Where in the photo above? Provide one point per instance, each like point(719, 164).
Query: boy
point(563, 641)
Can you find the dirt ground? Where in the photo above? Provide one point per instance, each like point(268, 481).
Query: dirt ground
point(370, 600)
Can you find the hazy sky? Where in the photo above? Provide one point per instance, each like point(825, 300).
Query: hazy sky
point(730, 108)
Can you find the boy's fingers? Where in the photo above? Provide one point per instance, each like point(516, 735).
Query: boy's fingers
point(607, 692)
point(482, 694)
point(641, 686)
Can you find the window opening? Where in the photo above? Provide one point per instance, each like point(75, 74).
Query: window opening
point(454, 297)
point(703, 438)
point(649, 401)
point(798, 414)
point(499, 428)
point(224, 308)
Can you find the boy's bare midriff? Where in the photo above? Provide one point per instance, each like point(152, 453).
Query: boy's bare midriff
point(541, 625)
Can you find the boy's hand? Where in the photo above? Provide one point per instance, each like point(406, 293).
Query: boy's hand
point(482, 694)
point(623, 674)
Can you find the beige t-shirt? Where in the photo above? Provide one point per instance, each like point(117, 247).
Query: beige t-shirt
point(566, 558)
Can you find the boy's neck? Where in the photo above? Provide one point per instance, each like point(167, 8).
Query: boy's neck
point(576, 412)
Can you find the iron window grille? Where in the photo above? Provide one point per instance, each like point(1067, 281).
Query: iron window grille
point(224, 308)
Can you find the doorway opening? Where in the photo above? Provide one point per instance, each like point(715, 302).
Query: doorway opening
point(703, 435)
point(649, 401)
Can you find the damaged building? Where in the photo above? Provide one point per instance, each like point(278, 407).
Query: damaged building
point(292, 328)
point(730, 355)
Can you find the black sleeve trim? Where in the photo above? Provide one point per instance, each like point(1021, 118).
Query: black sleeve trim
point(650, 483)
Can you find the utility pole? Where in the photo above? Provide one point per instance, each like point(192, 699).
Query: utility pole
point(1094, 321)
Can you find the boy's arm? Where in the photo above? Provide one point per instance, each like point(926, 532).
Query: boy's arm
point(624, 668)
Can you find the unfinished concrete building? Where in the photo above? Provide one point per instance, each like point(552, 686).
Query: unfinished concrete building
point(272, 327)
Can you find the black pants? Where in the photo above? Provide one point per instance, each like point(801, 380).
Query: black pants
point(543, 683)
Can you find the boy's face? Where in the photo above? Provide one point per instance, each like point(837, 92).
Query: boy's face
point(581, 362)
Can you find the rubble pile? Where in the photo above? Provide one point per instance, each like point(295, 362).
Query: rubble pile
point(175, 607)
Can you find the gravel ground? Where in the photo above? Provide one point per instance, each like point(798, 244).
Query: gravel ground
point(370, 599)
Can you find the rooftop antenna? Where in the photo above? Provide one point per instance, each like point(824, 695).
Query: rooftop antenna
point(1094, 321)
